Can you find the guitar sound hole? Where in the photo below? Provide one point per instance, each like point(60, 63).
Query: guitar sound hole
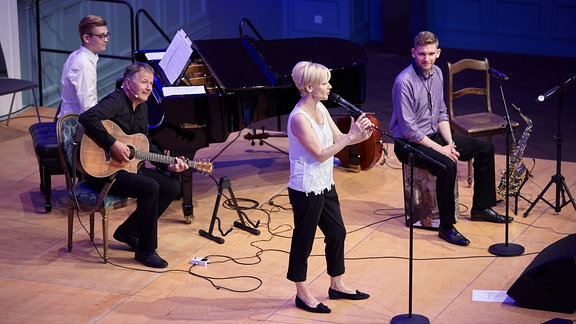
point(132, 152)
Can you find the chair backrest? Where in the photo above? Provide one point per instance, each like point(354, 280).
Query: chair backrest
point(66, 130)
point(3, 67)
point(480, 88)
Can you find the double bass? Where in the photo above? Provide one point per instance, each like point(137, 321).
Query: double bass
point(363, 155)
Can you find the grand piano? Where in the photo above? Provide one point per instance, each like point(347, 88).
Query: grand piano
point(245, 80)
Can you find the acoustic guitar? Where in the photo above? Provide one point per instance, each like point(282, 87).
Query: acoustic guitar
point(97, 162)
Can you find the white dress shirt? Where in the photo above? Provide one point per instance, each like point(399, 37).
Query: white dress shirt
point(79, 89)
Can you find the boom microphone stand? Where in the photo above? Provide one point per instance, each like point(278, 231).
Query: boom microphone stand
point(558, 178)
point(410, 317)
point(506, 249)
point(356, 112)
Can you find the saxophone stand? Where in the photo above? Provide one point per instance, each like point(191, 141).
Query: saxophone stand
point(558, 178)
point(222, 184)
point(518, 195)
point(506, 249)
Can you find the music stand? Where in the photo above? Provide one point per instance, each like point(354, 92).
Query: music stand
point(558, 178)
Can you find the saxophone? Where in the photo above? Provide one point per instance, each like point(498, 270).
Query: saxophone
point(517, 168)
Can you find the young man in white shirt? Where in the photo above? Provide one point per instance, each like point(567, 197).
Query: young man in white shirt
point(79, 79)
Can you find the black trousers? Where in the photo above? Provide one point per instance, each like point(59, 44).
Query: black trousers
point(484, 175)
point(154, 192)
point(312, 211)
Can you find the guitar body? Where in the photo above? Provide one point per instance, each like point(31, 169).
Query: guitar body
point(98, 163)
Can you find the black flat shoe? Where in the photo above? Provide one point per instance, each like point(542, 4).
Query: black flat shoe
point(320, 308)
point(488, 215)
point(453, 236)
point(335, 294)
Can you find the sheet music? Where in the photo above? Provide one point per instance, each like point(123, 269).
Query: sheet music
point(183, 90)
point(154, 56)
point(175, 60)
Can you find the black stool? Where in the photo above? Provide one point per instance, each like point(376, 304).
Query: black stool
point(46, 148)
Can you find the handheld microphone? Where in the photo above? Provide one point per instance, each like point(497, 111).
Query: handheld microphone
point(547, 94)
point(352, 110)
point(497, 75)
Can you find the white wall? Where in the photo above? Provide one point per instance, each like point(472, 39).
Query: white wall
point(10, 46)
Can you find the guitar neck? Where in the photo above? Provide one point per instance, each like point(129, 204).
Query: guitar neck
point(155, 157)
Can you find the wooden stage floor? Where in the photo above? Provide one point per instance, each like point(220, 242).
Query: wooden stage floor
point(40, 281)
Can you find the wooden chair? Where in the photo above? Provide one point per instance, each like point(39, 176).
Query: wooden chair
point(483, 123)
point(81, 197)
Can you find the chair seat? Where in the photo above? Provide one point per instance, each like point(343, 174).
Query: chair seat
point(481, 124)
point(87, 196)
point(9, 85)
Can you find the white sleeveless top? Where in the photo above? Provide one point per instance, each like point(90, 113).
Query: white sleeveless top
point(306, 173)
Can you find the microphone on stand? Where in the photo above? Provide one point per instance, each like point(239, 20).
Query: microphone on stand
point(547, 94)
point(497, 75)
point(352, 110)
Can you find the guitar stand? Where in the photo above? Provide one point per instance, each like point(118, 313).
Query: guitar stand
point(225, 183)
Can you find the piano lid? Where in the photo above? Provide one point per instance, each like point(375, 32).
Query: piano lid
point(335, 53)
point(247, 64)
point(233, 64)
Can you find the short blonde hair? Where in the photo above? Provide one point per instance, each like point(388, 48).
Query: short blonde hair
point(307, 73)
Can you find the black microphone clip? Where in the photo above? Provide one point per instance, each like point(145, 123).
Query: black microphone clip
point(497, 75)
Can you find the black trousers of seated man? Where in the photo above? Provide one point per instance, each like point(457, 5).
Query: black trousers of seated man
point(469, 148)
point(154, 192)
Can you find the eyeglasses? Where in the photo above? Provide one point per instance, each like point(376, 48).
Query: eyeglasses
point(101, 36)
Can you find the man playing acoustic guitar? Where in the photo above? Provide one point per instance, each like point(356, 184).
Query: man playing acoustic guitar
point(154, 190)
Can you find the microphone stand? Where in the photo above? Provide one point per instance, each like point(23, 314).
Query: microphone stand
point(506, 249)
point(558, 178)
point(410, 317)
